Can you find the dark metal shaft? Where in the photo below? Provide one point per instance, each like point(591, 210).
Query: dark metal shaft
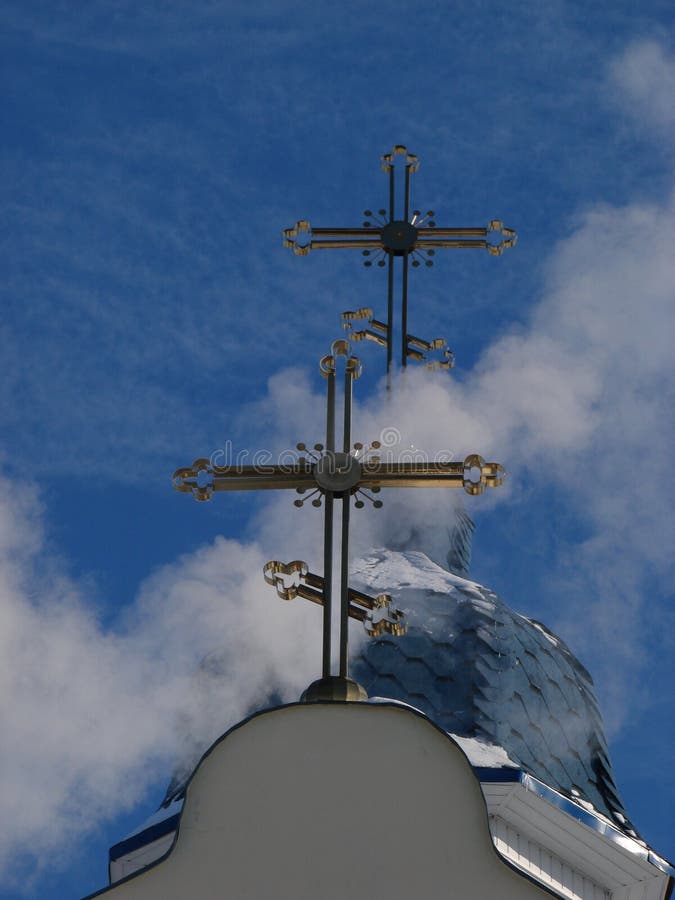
point(327, 582)
point(328, 532)
point(390, 319)
point(404, 313)
point(330, 413)
point(344, 543)
point(407, 193)
point(344, 588)
point(391, 194)
point(347, 423)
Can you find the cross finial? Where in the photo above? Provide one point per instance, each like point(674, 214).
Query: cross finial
point(413, 237)
point(331, 474)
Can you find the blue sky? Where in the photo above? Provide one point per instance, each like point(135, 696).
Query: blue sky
point(151, 157)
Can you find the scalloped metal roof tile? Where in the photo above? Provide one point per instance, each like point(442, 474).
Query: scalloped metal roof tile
point(509, 679)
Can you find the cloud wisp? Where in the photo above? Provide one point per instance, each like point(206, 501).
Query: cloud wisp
point(642, 82)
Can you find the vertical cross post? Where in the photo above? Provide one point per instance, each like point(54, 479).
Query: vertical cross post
point(337, 470)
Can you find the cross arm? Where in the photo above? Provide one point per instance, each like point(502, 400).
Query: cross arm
point(294, 579)
point(474, 474)
point(368, 336)
point(468, 238)
point(377, 332)
point(328, 238)
point(202, 479)
point(389, 236)
point(417, 349)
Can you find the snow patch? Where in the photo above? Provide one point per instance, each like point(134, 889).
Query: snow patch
point(380, 569)
point(549, 637)
point(479, 753)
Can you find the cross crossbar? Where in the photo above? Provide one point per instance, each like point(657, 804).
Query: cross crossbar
point(202, 479)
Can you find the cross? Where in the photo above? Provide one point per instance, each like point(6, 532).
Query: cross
point(331, 474)
point(413, 237)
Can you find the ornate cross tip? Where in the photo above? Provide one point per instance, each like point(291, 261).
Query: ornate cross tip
point(196, 479)
point(378, 332)
point(352, 363)
point(509, 237)
point(418, 349)
point(400, 150)
point(479, 474)
point(294, 579)
point(384, 618)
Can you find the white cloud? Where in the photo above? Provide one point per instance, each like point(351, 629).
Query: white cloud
point(90, 715)
point(642, 80)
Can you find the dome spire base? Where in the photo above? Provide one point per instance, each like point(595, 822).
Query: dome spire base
point(333, 688)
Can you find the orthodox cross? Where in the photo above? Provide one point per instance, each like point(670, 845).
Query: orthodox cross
point(413, 237)
point(334, 474)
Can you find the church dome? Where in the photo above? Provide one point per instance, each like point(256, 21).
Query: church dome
point(480, 670)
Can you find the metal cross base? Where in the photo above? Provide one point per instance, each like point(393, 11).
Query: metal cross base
point(413, 237)
point(331, 475)
point(332, 688)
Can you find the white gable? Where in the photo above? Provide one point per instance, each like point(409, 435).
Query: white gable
point(332, 801)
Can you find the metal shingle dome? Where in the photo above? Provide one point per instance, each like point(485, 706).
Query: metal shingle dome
point(478, 669)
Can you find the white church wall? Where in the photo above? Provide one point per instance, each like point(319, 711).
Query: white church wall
point(579, 854)
point(332, 801)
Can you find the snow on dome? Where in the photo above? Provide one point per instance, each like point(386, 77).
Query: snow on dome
point(481, 753)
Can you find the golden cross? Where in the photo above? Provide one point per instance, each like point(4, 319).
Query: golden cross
point(413, 237)
point(332, 474)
